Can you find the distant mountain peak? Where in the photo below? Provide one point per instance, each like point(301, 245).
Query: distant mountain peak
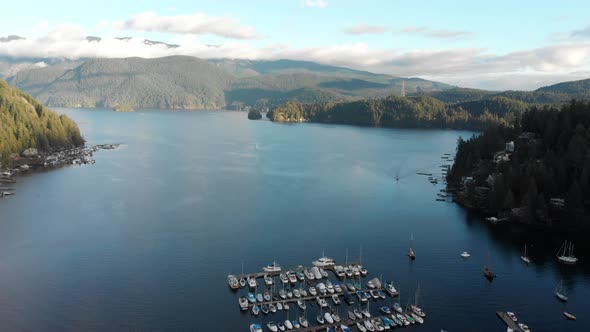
point(10, 38)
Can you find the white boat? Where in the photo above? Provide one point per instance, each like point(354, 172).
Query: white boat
point(569, 316)
point(296, 324)
point(259, 297)
point(566, 253)
point(369, 326)
point(512, 316)
point(288, 324)
point(366, 313)
point(233, 282)
point(243, 301)
point(364, 271)
point(337, 288)
point(283, 294)
point(272, 326)
point(391, 289)
point(358, 313)
point(524, 257)
point(524, 327)
point(308, 274)
point(255, 328)
point(301, 304)
point(323, 262)
point(285, 306)
point(323, 273)
point(330, 287)
point(411, 252)
point(322, 288)
point(320, 319)
point(339, 270)
point(313, 291)
point(292, 277)
point(303, 321)
point(303, 292)
point(560, 292)
point(465, 254)
point(274, 267)
point(255, 310)
point(279, 306)
point(281, 326)
point(335, 299)
point(361, 327)
point(268, 280)
point(321, 302)
point(296, 293)
point(355, 271)
point(336, 318)
point(252, 282)
point(284, 278)
point(272, 308)
point(328, 318)
point(417, 318)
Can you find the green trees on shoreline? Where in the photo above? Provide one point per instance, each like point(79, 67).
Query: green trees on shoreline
point(25, 123)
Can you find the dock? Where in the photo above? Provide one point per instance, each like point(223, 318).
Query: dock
point(299, 268)
point(509, 322)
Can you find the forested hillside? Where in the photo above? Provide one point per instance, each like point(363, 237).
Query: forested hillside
point(544, 182)
point(25, 123)
point(407, 112)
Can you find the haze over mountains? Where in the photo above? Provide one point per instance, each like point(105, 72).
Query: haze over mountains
point(184, 82)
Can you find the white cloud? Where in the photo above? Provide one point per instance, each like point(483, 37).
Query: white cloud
point(315, 3)
point(434, 33)
point(472, 67)
point(363, 28)
point(197, 24)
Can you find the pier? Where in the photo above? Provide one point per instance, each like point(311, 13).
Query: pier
point(508, 321)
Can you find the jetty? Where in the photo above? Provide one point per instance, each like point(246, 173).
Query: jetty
point(508, 321)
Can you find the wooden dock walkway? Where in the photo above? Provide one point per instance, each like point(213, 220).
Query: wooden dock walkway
point(508, 321)
point(327, 297)
point(299, 268)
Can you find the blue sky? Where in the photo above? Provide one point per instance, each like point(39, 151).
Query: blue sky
point(495, 45)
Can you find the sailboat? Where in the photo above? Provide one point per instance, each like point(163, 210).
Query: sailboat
point(487, 270)
point(411, 252)
point(566, 253)
point(560, 292)
point(524, 257)
point(242, 280)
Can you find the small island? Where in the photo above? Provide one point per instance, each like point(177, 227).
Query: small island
point(123, 108)
point(254, 115)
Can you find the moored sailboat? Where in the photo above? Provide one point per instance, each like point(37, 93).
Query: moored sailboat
point(524, 256)
point(411, 252)
point(560, 292)
point(566, 253)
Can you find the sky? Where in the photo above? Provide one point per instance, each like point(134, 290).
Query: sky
point(497, 45)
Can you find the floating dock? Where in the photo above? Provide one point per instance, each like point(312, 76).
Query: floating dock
point(508, 321)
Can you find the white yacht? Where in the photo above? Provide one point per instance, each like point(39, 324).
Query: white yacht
point(274, 267)
point(323, 262)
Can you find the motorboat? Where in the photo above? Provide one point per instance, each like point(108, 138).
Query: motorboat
point(274, 267)
point(323, 262)
point(303, 292)
point(268, 280)
point(512, 316)
point(233, 282)
point(348, 271)
point(320, 319)
point(279, 306)
point(296, 293)
point(242, 282)
point(363, 271)
point(351, 315)
point(361, 327)
point(357, 284)
point(369, 326)
point(358, 313)
point(386, 322)
point(378, 324)
point(288, 324)
point(374, 294)
point(296, 324)
point(308, 274)
point(403, 319)
point(316, 273)
point(350, 287)
point(335, 299)
point(328, 318)
point(355, 271)
point(303, 321)
point(330, 287)
point(385, 310)
point(417, 318)
point(255, 310)
point(409, 318)
point(323, 273)
point(396, 320)
point(266, 296)
point(366, 313)
point(301, 304)
point(338, 288)
point(322, 288)
point(292, 277)
point(252, 282)
point(300, 276)
point(284, 278)
point(272, 308)
point(313, 291)
point(264, 309)
point(335, 317)
point(283, 294)
point(411, 252)
point(418, 311)
point(361, 296)
point(321, 302)
point(255, 328)
point(251, 298)
point(289, 294)
point(397, 307)
point(272, 326)
point(339, 271)
point(344, 328)
point(243, 301)
point(465, 254)
point(259, 297)
point(281, 326)
point(560, 292)
point(381, 294)
point(286, 306)
point(367, 295)
point(524, 327)
point(370, 284)
point(569, 316)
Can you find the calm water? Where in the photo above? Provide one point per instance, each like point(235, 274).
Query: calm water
point(144, 239)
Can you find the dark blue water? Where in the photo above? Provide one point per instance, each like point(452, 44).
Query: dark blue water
point(144, 239)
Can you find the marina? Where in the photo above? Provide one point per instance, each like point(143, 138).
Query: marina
point(511, 324)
